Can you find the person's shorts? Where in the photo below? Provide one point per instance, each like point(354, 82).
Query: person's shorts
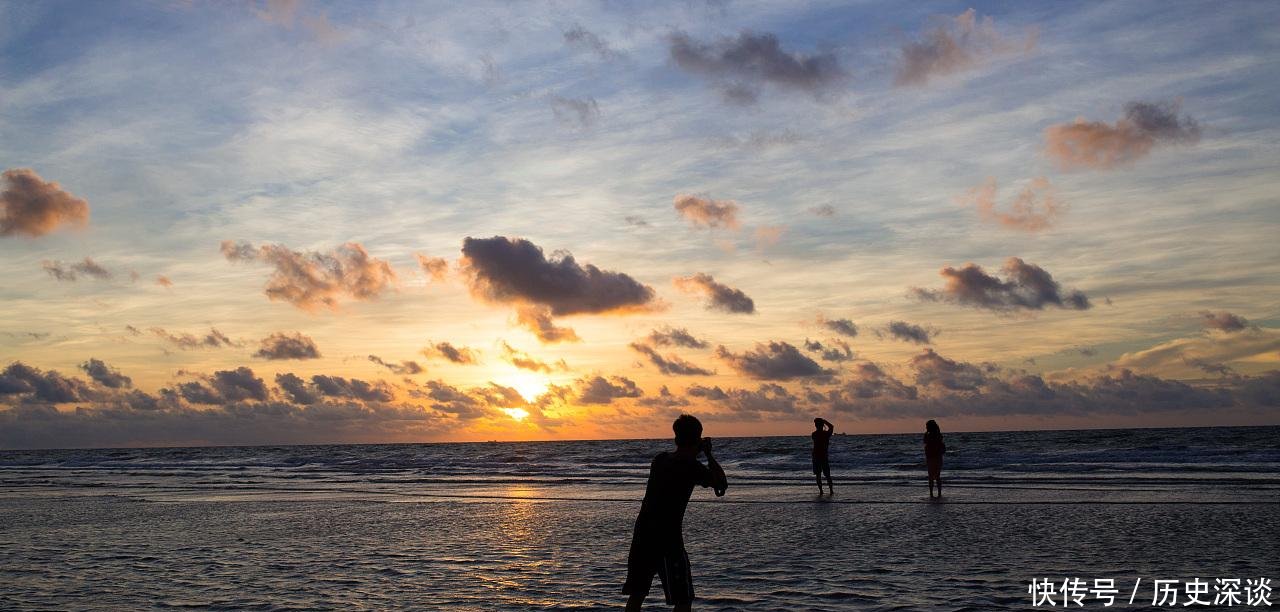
point(822, 466)
point(670, 562)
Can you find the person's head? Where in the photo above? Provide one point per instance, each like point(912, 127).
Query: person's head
point(688, 430)
point(817, 423)
point(932, 427)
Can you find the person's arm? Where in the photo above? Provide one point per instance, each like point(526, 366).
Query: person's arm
point(718, 480)
point(830, 428)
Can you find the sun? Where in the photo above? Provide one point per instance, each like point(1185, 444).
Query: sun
point(528, 384)
point(516, 414)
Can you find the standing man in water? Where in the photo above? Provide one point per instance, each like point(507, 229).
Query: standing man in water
point(822, 430)
point(657, 544)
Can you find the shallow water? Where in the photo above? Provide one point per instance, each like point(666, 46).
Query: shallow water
point(546, 525)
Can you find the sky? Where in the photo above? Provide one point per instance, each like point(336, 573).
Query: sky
point(307, 222)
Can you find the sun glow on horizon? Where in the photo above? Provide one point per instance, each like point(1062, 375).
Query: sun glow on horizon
point(529, 385)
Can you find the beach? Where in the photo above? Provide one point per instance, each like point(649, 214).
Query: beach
point(98, 530)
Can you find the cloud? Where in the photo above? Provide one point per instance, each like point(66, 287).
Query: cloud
point(1099, 146)
point(906, 332)
point(285, 13)
point(353, 388)
point(960, 43)
point(537, 320)
point(597, 390)
point(673, 336)
point(105, 375)
point(525, 361)
point(87, 267)
point(580, 37)
point(454, 354)
point(1035, 208)
point(739, 66)
point(836, 350)
point(844, 327)
point(768, 236)
point(280, 345)
point(31, 206)
point(163, 281)
point(934, 369)
point(773, 361)
point(719, 296)
point(635, 221)
point(313, 280)
point(705, 212)
point(1174, 357)
point(225, 386)
point(766, 401)
point(514, 271)
point(1025, 287)
point(436, 268)
point(41, 386)
point(869, 381)
point(186, 341)
point(669, 364)
point(825, 211)
point(1223, 321)
point(576, 112)
point(296, 389)
point(404, 368)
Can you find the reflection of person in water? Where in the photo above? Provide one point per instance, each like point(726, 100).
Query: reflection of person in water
point(657, 545)
point(934, 449)
point(822, 430)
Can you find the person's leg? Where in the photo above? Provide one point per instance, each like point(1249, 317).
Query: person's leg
point(683, 607)
point(931, 487)
point(939, 485)
point(818, 477)
point(635, 603)
point(826, 469)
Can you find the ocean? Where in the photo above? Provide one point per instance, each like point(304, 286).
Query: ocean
point(545, 525)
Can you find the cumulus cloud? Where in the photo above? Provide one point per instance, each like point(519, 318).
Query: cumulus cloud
point(1033, 209)
point(598, 390)
point(436, 268)
point(706, 212)
point(582, 38)
point(456, 354)
point(86, 267)
point(537, 319)
point(675, 336)
point(31, 206)
point(766, 401)
point(515, 271)
point(773, 361)
point(844, 327)
point(907, 332)
point(575, 112)
point(105, 375)
point(669, 364)
point(525, 361)
point(313, 280)
point(224, 386)
point(280, 345)
point(835, 350)
point(1223, 321)
point(719, 296)
point(36, 385)
point(740, 66)
point(404, 368)
point(1025, 287)
point(1101, 146)
point(352, 388)
point(187, 341)
point(958, 44)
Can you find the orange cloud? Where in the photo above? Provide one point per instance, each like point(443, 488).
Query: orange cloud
point(1035, 208)
point(32, 206)
point(1099, 146)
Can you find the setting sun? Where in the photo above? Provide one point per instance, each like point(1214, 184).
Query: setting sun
point(530, 385)
point(517, 414)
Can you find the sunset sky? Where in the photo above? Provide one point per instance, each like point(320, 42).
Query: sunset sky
point(295, 222)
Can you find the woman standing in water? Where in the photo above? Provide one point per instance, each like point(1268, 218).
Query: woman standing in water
point(934, 449)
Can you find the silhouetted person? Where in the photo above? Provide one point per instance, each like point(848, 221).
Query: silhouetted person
point(822, 430)
point(934, 449)
point(657, 545)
